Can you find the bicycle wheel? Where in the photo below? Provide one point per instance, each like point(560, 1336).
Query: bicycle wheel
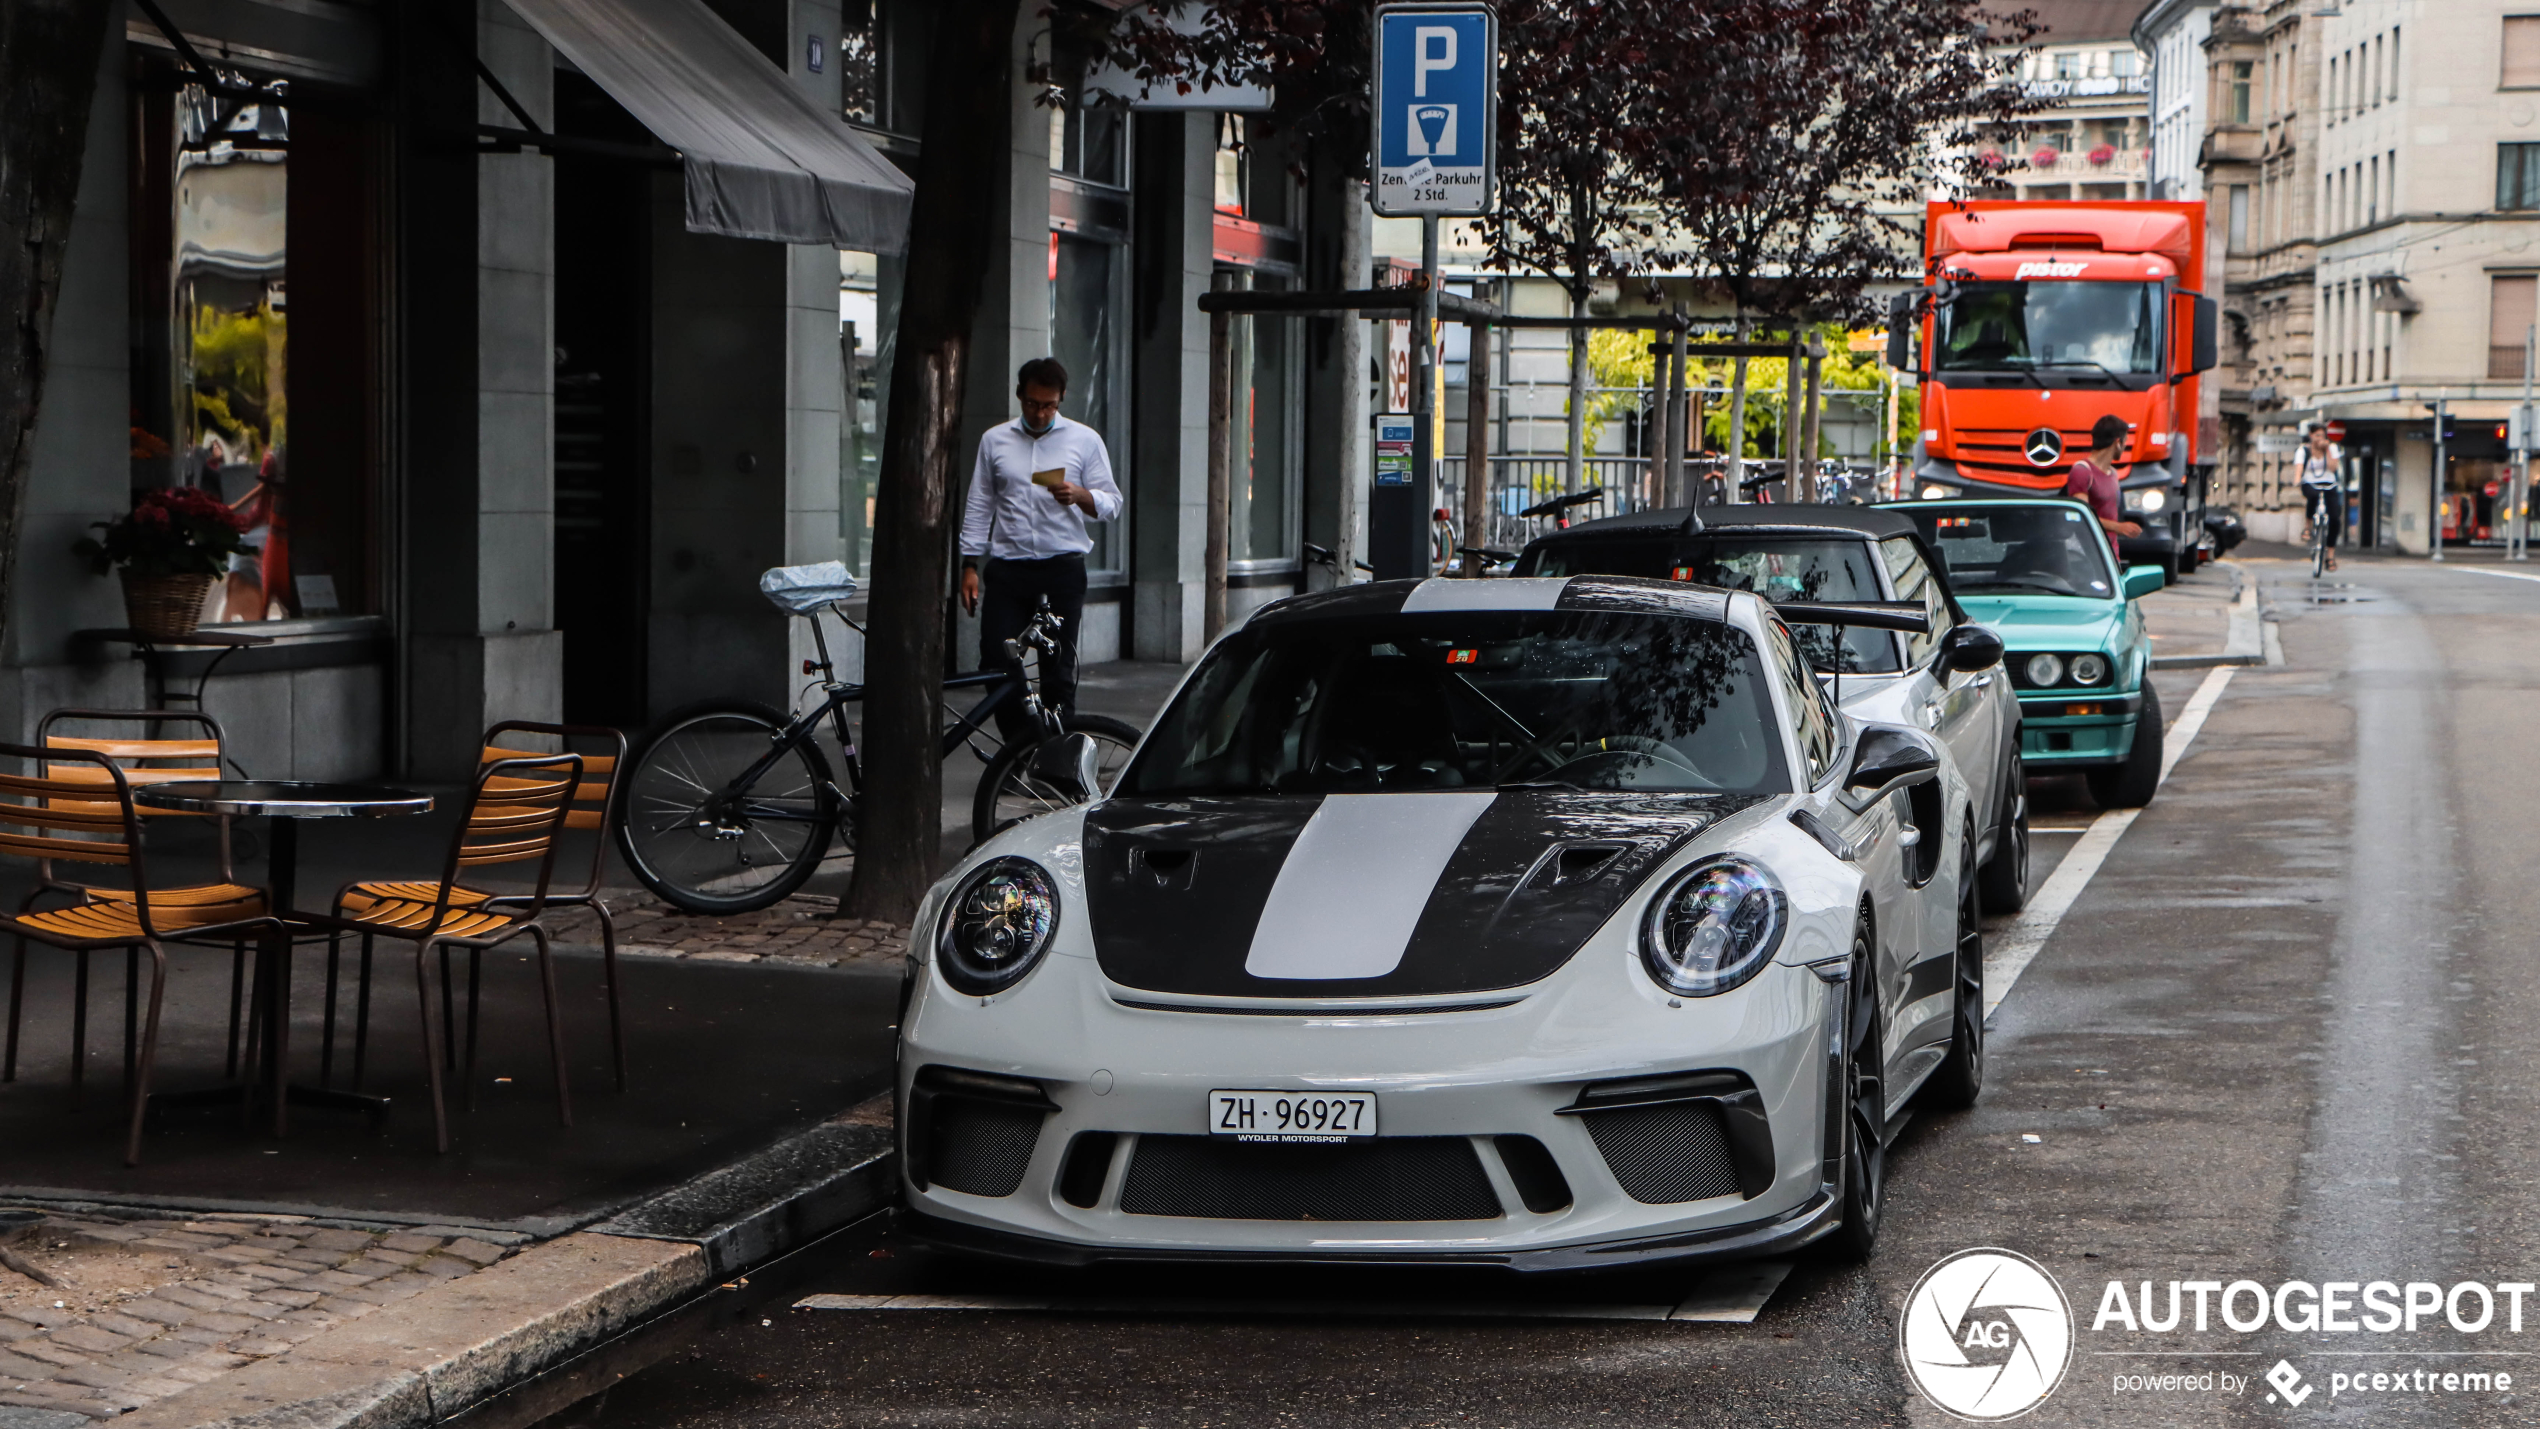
point(708, 847)
point(2319, 556)
point(1008, 794)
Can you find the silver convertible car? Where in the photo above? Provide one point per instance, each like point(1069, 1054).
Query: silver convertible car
point(1549, 924)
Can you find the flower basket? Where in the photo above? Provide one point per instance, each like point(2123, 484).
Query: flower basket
point(2103, 156)
point(2046, 157)
point(164, 607)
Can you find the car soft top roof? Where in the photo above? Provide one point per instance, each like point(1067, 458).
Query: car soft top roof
point(1748, 517)
point(1622, 594)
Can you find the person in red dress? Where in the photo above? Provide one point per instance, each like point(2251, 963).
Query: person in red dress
point(2093, 482)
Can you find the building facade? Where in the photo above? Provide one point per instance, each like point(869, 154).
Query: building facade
point(2092, 139)
point(2172, 34)
point(430, 302)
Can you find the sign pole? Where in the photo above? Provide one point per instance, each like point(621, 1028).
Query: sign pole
point(2434, 507)
point(2518, 490)
point(1424, 393)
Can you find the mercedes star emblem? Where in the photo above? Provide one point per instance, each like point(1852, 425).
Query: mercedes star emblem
point(2044, 447)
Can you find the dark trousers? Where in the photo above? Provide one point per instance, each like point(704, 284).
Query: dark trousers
point(1010, 592)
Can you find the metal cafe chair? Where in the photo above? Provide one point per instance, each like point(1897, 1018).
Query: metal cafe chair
point(515, 810)
point(80, 810)
point(142, 761)
point(596, 808)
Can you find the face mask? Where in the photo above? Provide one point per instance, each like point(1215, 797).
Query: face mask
point(1039, 430)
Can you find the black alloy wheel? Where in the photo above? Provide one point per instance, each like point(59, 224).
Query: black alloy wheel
point(1960, 1077)
point(2003, 881)
point(1864, 1083)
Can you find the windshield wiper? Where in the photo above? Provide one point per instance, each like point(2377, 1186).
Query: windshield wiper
point(2113, 375)
point(1546, 784)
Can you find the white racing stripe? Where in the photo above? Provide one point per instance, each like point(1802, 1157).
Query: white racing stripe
point(1356, 881)
point(2008, 956)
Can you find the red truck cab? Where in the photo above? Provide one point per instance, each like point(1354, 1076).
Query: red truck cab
point(2038, 319)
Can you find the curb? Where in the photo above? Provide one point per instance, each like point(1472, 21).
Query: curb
point(2246, 643)
point(467, 1341)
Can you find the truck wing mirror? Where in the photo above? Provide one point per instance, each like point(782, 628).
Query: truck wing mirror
point(1900, 332)
point(2208, 334)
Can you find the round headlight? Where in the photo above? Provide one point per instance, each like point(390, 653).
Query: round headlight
point(1937, 493)
point(996, 926)
point(2089, 669)
point(2151, 498)
point(1714, 926)
point(2044, 669)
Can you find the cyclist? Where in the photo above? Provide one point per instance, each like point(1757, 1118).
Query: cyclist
point(1038, 481)
point(2325, 510)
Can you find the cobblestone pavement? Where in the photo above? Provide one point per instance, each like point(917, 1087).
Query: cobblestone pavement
point(141, 1309)
point(804, 929)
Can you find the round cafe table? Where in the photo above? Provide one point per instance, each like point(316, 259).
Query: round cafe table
point(284, 803)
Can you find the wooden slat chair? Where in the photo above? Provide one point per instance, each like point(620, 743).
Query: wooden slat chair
point(54, 819)
point(515, 810)
point(143, 761)
point(595, 810)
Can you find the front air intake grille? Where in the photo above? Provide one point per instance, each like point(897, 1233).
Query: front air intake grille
point(1667, 1153)
point(982, 1147)
point(1402, 1178)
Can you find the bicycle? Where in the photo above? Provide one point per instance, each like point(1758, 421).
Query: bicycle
point(1557, 509)
point(2316, 531)
point(731, 805)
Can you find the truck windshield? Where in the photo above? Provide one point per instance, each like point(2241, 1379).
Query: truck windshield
point(2115, 327)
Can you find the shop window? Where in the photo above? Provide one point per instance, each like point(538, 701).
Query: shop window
point(2510, 314)
point(2518, 176)
point(1089, 310)
point(249, 277)
point(1262, 475)
point(2521, 60)
point(868, 321)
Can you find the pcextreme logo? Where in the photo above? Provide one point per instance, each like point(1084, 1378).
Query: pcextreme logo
point(2044, 269)
point(1987, 1334)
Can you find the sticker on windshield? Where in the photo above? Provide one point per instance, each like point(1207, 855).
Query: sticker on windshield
point(1681, 573)
point(1462, 657)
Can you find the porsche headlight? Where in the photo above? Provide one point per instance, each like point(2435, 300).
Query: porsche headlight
point(1713, 926)
point(996, 926)
point(2044, 670)
point(2089, 669)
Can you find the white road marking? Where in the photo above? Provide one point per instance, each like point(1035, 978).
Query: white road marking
point(2492, 571)
point(2009, 955)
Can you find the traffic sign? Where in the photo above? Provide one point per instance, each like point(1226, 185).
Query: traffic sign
point(1436, 107)
point(2336, 430)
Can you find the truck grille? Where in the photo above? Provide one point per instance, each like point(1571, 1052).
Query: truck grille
point(1666, 1154)
point(1400, 1178)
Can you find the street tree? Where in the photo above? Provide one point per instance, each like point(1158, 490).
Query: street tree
point(1575, 198)
point(49, 53)
point(899, 826)
point(1800, 138)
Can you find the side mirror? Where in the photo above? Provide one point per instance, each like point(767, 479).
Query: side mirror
point(1889, 757)
point(1071, 765)
point(2204, 334)
point(1969, 648)
point(2141, 581)
point(1900, 332)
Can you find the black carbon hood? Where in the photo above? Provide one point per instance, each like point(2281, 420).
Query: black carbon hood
point(1506, 888)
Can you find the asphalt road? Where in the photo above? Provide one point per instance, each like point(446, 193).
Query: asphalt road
point(2286, 1033)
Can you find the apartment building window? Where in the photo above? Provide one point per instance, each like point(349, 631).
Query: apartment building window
point(2238, 232)
point(2124, 64)
point(2241, 73)
point(2521, 66)
point(2068, 65)
point(2394, 65)
point(2372, 190)
point(2518, 176)
point(2510, 313)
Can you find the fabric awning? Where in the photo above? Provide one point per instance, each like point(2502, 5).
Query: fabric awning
point(763, 159)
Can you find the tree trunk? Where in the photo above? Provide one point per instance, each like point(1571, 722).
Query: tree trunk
point(49, 52)
point(1794, 477)
point(899, 828)
point(1737, 419)
point(1816, 415)
point(1574, 478)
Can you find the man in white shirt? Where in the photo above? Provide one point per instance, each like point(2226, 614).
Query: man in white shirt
point(1037, 482)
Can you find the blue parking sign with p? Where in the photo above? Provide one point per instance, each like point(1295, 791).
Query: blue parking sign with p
point(1437, 72)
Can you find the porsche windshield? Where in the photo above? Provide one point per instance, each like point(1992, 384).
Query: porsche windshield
point(2111, 327)
point(2045, 549)
point(1777, 568)
point(1470, 700)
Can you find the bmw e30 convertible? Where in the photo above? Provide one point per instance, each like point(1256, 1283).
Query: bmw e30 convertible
point(1550, 924)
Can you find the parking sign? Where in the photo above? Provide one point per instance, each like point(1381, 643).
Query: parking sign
point(1437, 90)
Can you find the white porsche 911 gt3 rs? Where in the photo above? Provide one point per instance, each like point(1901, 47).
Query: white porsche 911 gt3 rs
point(1551, 924)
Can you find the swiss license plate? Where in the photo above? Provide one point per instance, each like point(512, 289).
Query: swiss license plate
point(1291, 1116)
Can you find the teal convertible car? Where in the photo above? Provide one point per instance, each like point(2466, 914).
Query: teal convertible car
point(2040, 573)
